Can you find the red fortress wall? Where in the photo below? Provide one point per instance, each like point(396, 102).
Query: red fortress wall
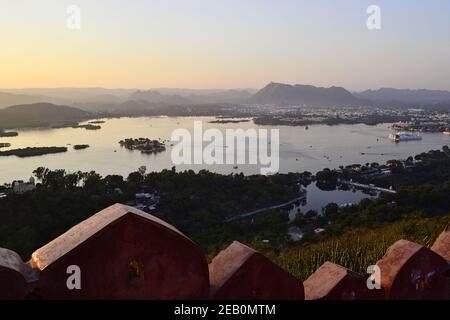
point(123, 253)
point(240, 273)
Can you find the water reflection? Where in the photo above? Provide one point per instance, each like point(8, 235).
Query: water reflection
point(317, 199)
point(300, 150)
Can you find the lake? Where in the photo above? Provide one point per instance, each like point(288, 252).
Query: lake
point(315, 199)
point(300, 149)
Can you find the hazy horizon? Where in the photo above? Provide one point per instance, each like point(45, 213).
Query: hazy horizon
point(99, 87)
point(230, 44)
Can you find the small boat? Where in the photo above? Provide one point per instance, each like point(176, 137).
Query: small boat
point(404, 136)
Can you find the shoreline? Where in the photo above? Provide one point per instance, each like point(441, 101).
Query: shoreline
point(220, 118)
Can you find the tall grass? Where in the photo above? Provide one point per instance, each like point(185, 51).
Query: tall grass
point(360, 248)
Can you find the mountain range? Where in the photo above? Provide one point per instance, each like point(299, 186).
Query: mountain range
point(105, 100)
point(391, 95)
point(121, 101)
point(156, 97)
point(285, 94)
point(9, 99)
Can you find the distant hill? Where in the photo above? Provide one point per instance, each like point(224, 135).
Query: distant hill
point(390, 95)
point(71, 94)
point(156, 97)
point(9, 99)
point(202, 92)
point(285, 94)
point(223, 96)
point(135, 107)
point(123, 101)
point(39, 114)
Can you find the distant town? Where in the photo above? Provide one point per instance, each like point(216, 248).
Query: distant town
point(274, 104)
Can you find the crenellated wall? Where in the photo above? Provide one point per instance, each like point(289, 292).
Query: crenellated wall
point(123, 253)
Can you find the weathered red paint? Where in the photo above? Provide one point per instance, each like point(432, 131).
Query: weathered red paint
point(334, 282)
point(174, 267)
point(11, 276)
point(442, 247)
point(240, 273)
point(411, 271)
point(442, 244)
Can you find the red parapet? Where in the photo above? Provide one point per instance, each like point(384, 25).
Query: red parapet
point(241, 273)
point(442, 244)
point(410, 271)
point(121, 253)
point(12, 278)
point(442, 247)
point(124, 253)
point(334, 282)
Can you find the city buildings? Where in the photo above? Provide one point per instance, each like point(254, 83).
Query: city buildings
point(19, 186)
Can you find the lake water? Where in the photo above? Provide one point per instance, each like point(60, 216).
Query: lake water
point(315, 199)
point(300, 149)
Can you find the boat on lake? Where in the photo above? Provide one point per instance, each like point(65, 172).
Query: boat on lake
point(405, 136)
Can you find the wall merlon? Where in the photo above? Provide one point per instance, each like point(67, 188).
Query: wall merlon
point(124, 253)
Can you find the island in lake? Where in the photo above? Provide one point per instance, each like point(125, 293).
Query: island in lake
point(65, 125)
point(8, 133)
point(80, 146)
point(88, 126)
point(224, 121)
point(144, 145)
point(32, 152)
point(5, 145)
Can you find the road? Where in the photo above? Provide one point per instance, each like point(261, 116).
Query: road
point(254, 212)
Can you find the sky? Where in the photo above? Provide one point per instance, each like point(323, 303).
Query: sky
point(224, 44)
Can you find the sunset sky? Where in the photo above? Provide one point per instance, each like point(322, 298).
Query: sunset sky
point(224, 44)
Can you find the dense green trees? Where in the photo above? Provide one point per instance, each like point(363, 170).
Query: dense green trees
point(299, 220)
point(80, 146)
point(196, 203)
